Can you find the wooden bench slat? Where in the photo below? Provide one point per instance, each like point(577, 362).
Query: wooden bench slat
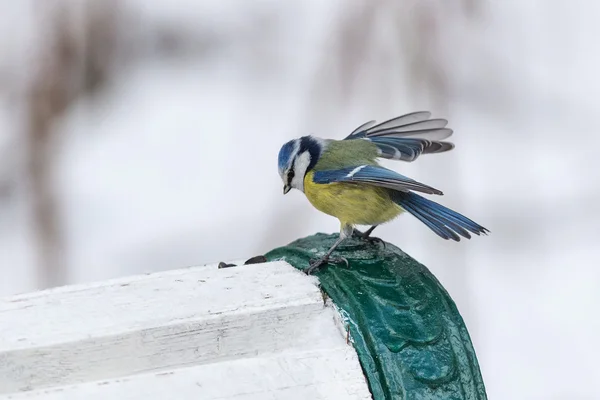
point(198, 324)
point(325, 374)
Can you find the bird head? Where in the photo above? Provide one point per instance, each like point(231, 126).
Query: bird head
point(296, 158)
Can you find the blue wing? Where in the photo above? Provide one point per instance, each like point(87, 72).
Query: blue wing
point(373, 175)
point(406, 137)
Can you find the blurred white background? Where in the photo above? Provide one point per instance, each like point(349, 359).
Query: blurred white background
point(139, 136)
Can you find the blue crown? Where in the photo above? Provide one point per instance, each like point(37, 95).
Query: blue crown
point(285, 154)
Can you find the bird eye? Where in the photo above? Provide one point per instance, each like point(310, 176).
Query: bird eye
point(291, 175)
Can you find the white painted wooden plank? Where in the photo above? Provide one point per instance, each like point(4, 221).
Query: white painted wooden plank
point(121, 305)
point(326, 374)
point(160, 321)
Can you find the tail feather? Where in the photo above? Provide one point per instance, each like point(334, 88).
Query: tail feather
point(448, 222)
point(449, 214)
point(439, 229)
point(445, 222)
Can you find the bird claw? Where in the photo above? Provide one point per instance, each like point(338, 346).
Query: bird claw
point(318, 264)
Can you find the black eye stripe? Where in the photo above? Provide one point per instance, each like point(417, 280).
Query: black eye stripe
point(291, 175)
point(309, 144)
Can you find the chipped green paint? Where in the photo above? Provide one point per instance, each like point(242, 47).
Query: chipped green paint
point(410, 338)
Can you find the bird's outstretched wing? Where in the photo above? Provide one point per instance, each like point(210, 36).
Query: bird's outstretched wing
point(406, 137)
point(372, 175)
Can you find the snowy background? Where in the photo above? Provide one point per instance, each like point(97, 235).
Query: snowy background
point(140, 136)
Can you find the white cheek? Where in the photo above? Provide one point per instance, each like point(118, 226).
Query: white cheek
point(298, 182)
point(300, 166)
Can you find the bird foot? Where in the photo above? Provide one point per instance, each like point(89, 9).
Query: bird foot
point(321, 262)
point(367, 238)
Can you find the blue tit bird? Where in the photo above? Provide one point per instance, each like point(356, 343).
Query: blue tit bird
point(342, 178)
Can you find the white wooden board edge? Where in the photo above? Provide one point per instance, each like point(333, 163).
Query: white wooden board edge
point(330, 374)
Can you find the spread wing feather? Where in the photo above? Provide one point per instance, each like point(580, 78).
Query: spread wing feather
point(410, 135)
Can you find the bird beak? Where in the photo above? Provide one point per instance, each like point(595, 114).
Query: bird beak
point(286, 188)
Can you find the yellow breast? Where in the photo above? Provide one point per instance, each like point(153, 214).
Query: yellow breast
point(351, 203)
